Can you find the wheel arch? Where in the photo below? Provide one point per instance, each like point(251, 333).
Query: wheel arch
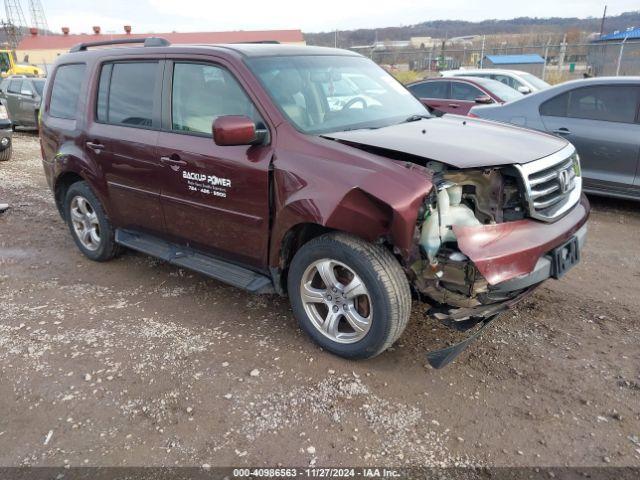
point(358, 214)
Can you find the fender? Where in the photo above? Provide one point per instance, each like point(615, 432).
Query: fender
point(71, 159)
point(389, 213)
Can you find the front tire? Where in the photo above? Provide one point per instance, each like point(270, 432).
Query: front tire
point(6, 153)
point(351, 297)
point(88, 223)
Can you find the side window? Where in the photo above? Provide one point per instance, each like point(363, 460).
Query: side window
point(609, 103)
point(66, 90)
point(555, 107)
point(430, 90)
point(15, 86)
point(127, 93)
point(26, 87)
point(204, 92)
point(464, 91)
point(513, 83)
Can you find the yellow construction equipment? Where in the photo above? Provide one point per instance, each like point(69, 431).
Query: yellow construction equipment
point(9, 66)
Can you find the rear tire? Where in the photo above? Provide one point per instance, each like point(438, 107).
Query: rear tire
point(88, 223)
point(351, 297)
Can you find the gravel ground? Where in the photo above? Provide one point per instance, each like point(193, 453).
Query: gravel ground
point(137, 362)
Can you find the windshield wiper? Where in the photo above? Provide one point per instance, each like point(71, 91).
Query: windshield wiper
point(416, 118)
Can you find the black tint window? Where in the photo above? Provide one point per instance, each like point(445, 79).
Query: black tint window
point(610, 103)
point(203, 92)
point(15, 86)
point(464, 91)
point(129, 96)
point(556, 107)
point(430, 90)
point(65, 91)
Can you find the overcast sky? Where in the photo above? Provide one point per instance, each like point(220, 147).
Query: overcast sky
point(309, 16)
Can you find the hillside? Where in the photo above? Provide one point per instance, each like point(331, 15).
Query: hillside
point(455, 28)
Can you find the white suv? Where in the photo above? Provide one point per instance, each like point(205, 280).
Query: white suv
point(524, 82)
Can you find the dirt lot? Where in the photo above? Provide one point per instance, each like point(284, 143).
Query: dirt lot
point(136, 362)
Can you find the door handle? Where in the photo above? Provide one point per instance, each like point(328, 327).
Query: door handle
point(454, 105)
point(95, 146)
point(562, 131)
point(173, 160)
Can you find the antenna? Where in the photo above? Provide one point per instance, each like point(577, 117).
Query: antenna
point(38, 18)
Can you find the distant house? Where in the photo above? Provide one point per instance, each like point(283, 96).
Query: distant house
point(604, 53)
point(532, 63)
point(44, 49)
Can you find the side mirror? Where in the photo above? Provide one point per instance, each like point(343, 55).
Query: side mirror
point(484, 99)
point(231, 130)
point(26, 93)
point(524, 90)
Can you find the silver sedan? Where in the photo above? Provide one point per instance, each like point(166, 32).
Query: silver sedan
point(600, 116)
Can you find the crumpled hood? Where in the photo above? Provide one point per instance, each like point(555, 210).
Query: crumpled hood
point(458, 141)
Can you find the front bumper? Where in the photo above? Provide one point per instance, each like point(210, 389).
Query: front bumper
point(491, 247)
point(505, 251)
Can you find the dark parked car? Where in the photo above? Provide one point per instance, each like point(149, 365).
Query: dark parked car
point(233, 161)
point(5, 135)
point(600, 116)
point(22, 97)
point(459, 94)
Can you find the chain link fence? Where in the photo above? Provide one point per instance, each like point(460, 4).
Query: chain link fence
point(562, 61)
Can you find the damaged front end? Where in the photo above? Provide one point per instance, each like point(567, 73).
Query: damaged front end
point(487, 237)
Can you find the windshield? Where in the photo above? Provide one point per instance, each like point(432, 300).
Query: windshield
point(535, 81)
point(499, 89)
point(321, 94)
point(39, 86)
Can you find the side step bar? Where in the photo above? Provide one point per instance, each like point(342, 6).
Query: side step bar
point(194, 260)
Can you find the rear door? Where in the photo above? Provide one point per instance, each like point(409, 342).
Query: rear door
point(433, 94)
point(602, 122)
point(13, 99)
point(214, 198)
point(121, 137)
point(28, 102)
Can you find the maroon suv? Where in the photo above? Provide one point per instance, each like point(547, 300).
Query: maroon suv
point(238, 161)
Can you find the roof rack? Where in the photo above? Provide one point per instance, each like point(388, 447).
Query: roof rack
point(147, 42)
point(268, 42)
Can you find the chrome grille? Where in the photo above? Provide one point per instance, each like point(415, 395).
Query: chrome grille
point(552, 184)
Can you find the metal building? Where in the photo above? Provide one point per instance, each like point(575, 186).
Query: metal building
point(616, 53)
point(532, 63)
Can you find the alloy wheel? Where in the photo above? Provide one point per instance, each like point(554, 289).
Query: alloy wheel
point(336, 301)
point(85, 223)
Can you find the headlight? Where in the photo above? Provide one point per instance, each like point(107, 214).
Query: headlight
point(576, 166)
point(3, 113)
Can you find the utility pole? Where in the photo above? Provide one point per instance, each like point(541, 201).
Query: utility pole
point(604, 15)
point(620, 55)
point(335, 39)
point(546, 56)
point(563, 52)
point(482, 52)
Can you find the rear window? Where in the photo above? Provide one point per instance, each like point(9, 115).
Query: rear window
point(66, 90)
point(39, 86)
point(126, 93)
